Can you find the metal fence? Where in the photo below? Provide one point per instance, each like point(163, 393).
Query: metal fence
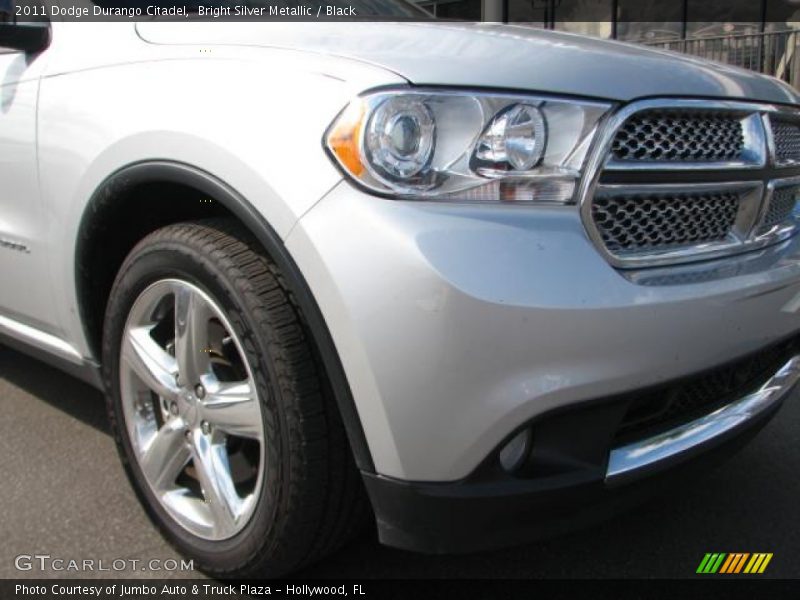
point(774, 53)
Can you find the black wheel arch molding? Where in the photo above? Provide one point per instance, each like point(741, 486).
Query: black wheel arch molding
point(165, 171)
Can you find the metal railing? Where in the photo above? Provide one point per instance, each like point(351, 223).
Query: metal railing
point(773, 53)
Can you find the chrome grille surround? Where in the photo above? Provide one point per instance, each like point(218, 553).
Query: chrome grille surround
point(754, 174)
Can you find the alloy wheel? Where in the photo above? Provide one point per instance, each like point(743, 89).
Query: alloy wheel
point(191, 409)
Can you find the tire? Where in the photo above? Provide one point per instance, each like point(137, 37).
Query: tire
point(298, 495)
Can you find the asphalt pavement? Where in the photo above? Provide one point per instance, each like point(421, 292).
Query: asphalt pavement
point(63, 494)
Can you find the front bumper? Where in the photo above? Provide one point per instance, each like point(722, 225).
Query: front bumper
point(458, 324)
point(487, 512)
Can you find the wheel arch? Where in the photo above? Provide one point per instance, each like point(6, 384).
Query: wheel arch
point(105, 202)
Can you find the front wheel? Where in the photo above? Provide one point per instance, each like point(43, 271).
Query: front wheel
point(222, 414)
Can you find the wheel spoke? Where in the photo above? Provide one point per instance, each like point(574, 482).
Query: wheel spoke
point(150, 362)
point(192, 315)
point(234, 408)
point(213, 471)
point(166, 455)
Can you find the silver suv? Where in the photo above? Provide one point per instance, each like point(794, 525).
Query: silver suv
point(480, 281)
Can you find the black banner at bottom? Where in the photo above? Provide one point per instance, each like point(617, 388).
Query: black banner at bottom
point(135, 589)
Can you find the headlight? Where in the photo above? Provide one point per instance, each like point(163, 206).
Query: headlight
point(465, 146)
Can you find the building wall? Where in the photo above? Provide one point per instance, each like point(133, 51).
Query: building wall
point(632, 20)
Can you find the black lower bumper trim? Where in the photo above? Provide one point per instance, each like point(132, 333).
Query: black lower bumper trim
point(470, 516)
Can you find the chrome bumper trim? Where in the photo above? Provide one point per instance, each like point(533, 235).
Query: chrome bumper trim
point(682, 442)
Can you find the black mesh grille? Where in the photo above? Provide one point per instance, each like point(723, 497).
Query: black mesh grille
point(680, 136)
point(787, 140)
point(780, 207)
point(653, 221)
point(666, 407)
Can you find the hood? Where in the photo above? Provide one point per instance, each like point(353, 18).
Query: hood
point(494, 56)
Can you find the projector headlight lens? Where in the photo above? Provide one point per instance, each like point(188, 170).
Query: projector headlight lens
point(464, 146)
point(400, 138)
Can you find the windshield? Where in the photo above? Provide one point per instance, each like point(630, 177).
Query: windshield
point(378, 9)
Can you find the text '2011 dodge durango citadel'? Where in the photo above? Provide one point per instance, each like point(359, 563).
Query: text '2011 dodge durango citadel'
point(480, 281)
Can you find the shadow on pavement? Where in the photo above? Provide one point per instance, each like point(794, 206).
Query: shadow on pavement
point(54, 387)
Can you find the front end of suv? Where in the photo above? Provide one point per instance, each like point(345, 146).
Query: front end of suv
point(524, 360)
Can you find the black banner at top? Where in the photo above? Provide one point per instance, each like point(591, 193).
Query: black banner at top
point(545, 13)
point(211, 10)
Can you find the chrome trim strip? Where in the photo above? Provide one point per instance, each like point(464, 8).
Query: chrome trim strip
point(682, 442)
point(765, 202)
point(39, 339)
point(650, 188)
point(771, 152)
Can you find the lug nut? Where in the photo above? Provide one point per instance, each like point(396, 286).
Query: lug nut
point(173, 408)
point(178, 380)
point(205, 426)
point(200, 391)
